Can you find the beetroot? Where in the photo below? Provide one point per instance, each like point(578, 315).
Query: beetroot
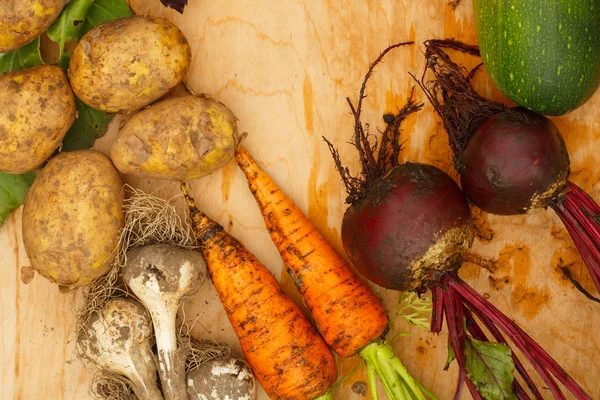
point(372, 239)
point(510, 160)
point(409, 227)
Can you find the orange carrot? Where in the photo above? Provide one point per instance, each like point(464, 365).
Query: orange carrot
point(289, 358)
point(345, 310)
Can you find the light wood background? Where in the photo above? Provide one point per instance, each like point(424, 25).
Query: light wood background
point(285, 68)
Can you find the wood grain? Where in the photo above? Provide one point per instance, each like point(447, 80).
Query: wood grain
point(285, 69)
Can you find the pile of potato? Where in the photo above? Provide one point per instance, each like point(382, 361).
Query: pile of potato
point(73, 213)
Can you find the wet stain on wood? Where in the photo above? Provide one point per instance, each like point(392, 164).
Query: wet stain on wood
point(514, 265)
point(227, 175)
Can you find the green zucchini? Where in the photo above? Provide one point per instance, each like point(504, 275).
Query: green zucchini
point(542, 54)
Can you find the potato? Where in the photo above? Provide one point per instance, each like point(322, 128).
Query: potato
point(37, 109)
point(73, 217)
point(180, 138)
point(21, 21)
point(125, 64)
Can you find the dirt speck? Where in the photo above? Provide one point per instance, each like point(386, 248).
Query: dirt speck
point(27, 274)
point(359, 387)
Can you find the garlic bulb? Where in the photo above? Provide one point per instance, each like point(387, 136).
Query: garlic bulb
point(162, 276)
point(118, 338)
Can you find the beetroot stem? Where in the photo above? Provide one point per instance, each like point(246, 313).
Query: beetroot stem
point(532, 358)
point(437, 316)
point(456, 333)
point(579, 213)
point(538, 357)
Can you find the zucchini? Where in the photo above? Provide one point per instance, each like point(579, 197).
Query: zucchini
point(542, 54)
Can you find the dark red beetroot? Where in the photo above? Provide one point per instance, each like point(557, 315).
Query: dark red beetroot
point(511, 160)
point(398, 212)
point(408, 227)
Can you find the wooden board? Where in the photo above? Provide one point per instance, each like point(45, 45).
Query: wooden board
point(285, 68)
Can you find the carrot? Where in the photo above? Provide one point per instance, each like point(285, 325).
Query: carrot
point(345, 310)
point(347, 313)
point(289, 358)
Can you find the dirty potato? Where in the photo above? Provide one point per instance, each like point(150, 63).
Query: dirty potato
point(37, 108)
point(123, 65)
point(179, 138)
point(21, 21)
point(73, 217)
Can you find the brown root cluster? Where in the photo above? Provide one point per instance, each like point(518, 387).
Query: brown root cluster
point(376, 159)
point(459, 106)
point(107, 386)
point(149, 219)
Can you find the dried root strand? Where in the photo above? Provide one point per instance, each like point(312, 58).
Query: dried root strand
point(107, 386)
point(202, 351)
point(374, 164)
point(452, 95)
point(389, 151)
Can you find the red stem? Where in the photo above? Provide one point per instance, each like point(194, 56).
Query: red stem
point(541, 361)
point(437, 316)
point(453, 309)
point(579, 214)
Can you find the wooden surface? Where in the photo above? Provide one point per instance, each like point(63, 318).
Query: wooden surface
point(285, 67)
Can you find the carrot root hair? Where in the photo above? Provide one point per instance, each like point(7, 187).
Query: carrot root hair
point(461, 303)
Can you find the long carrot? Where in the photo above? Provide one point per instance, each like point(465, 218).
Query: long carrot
point(289, 358)
point(347, 313)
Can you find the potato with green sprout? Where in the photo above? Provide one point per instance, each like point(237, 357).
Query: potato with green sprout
point(182, 138)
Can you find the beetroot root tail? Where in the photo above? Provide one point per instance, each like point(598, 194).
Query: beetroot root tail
point(581, 217)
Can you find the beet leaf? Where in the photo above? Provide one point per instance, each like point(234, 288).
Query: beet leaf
point(491, 368)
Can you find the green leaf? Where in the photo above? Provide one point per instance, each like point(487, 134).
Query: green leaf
point(491, 369)
point(26, 57)
point(79, 17)
point(68, 26)
point(13, 189)
point(451, 357)
point(105, 10)
point(90, 125)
